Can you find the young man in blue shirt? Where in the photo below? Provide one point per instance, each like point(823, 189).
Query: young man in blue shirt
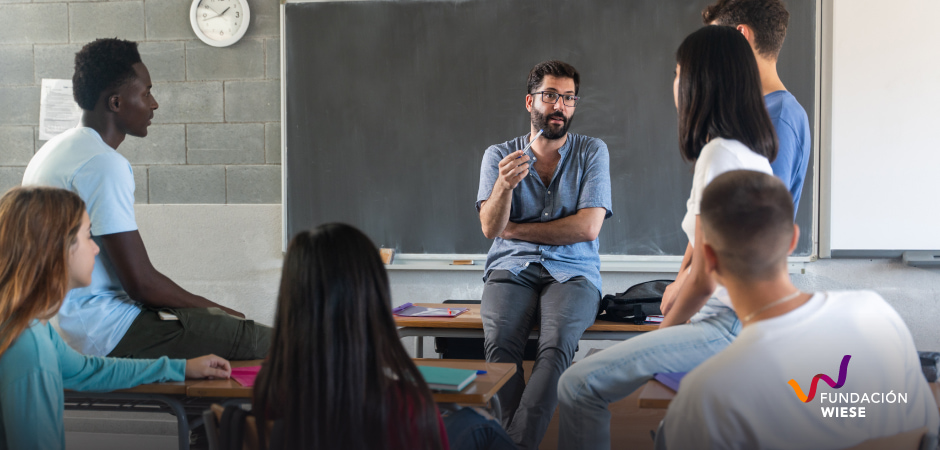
point(764, 24)
point(544, 209)
point(586, 390)
point(118, 314)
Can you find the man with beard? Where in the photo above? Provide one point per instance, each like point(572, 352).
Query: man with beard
point(544, 208)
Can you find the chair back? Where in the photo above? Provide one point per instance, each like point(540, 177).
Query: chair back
point(230, 428)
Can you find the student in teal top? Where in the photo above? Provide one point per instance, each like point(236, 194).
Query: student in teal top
point(46, 250)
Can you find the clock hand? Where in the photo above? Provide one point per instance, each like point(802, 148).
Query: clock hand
point(226, 10)
point(210, 9)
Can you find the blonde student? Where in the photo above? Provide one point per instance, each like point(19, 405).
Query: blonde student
point(46, 250)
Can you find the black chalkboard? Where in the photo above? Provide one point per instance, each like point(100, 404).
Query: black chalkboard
point(390, 106)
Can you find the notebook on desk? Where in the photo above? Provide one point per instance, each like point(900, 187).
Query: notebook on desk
point(671, 380)
point(446, 378)
point(410, 310)
point(245, 376)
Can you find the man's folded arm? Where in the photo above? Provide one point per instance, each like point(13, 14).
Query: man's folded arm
point(583, 226)
point(494, 213)
point(143, 282)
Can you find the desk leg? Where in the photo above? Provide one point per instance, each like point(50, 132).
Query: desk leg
point(495, 408)
point(117, 401)
point(182, 424)
point(419, 346)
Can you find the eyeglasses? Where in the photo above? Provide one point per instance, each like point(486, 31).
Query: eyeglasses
point(552, 98)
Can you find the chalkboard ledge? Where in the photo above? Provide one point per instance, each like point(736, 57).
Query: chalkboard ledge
point(609, 263)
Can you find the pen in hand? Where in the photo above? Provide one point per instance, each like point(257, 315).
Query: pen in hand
point(531, 141)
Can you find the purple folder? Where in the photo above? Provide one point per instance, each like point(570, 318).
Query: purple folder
point(409, 310)
point(671, 380)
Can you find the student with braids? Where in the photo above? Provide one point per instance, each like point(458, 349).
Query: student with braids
point(46, 250)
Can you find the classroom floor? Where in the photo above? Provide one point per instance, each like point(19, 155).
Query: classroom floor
point(105, 441)
point(630, 425)
point(86, 430)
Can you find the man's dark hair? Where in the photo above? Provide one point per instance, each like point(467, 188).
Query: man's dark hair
point(554, 68)
point(101, 65)
point(747, 218)
point(768, 19)
point(720, 94)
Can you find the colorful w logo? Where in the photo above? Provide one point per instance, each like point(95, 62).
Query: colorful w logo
point(843, 371)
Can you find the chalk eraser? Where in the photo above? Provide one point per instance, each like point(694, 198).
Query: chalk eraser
point(462, 262)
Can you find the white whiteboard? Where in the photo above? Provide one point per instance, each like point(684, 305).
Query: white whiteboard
point(885, 125)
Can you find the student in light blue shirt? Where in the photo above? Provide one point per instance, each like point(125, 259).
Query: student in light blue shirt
point(46, 249)
point(118, 313)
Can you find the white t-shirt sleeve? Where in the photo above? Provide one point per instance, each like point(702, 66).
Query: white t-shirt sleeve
point(700, 417)
point(106, 182)
point(717, 157)
point(718, 161)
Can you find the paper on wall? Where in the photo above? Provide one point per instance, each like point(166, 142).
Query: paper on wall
point(57, 108)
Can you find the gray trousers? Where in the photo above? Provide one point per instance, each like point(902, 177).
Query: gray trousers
point(512, 305)
point(198, 332)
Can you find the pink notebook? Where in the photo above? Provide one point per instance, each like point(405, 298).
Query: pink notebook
point(245, 375)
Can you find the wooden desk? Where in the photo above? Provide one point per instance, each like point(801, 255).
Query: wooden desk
point(172, 398)
point(655, 395)
point(482, 390)
point(189, 398)
point(470, 325)
point(478, 393)
point(228, 388)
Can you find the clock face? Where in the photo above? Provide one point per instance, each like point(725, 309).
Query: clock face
point(219, 22)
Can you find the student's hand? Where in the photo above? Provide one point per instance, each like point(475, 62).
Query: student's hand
point(669, 297)
point(209, 366)
point(512, 169)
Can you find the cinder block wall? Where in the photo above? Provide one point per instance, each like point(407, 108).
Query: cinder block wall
point(216, 136)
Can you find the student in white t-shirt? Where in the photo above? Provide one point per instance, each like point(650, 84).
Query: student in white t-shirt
point(723, 125)
point(759, 392)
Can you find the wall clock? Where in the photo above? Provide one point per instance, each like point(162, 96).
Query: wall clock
point(219, 23)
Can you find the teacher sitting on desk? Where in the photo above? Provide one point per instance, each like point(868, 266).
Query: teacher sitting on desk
point(543, 202)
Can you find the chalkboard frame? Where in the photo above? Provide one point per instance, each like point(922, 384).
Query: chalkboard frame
point(609, 262)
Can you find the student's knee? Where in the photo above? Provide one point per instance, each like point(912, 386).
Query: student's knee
point(253, 342)
point(562, 342)
point(570, 385)
point(503, 344)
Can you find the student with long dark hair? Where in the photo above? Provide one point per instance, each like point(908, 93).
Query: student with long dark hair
point(723, 126)
point(46, 250)
point(337, 376)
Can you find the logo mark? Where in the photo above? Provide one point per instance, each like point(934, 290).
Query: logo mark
point(843, 372)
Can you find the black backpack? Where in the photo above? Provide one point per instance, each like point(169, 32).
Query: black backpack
point(634, 304)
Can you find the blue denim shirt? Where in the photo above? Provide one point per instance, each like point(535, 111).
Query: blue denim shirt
point(581, 180)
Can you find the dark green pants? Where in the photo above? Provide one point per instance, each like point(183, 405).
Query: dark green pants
point(200, 331)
